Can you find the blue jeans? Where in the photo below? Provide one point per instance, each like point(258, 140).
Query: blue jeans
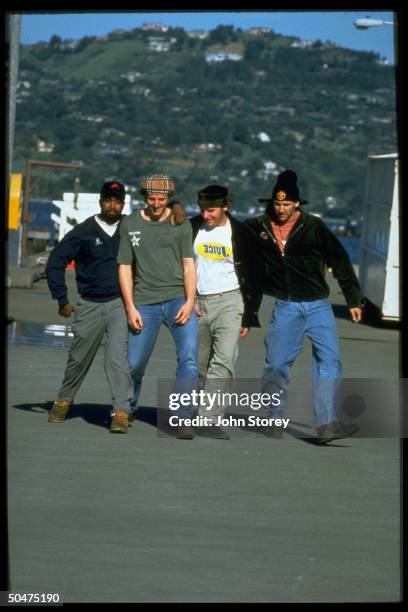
point(290, 323)
point(141, 345)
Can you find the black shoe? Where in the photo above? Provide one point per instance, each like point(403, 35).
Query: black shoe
point(274, 431)
point(335, 431)
point(184, 432)
point(213, 431)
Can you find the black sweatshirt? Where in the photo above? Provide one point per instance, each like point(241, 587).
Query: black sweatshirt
point(298, 274)
point(94, 252)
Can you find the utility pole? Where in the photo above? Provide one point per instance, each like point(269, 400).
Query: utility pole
point(13, 29)
point(13, 24)
point(48, 165)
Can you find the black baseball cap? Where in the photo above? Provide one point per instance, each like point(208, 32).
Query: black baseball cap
point(113, 189)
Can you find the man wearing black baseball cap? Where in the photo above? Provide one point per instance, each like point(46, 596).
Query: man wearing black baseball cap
point(99, 312)
point(113, 189)
point(294, 250)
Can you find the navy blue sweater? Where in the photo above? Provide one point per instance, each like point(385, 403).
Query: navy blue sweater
point(94, 252)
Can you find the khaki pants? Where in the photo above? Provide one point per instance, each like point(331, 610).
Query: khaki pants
point(219, 327)
point(95, 322)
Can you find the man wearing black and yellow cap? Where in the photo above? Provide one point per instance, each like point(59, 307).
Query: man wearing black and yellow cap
point(99, 312)
point(294, 249)
point(226, 303)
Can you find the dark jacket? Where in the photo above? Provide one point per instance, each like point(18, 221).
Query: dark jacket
point(298, 274)
point(244, 268)
point(94, 252)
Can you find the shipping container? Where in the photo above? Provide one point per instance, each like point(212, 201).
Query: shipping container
point(379, 264)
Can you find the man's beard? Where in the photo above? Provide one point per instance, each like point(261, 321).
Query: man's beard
point(110, 218)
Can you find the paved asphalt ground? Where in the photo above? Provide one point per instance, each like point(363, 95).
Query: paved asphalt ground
point(136, 518)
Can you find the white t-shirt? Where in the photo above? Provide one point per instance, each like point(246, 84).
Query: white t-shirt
point(214, 260)
point(109, 228)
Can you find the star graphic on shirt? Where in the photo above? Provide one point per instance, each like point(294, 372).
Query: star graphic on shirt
point(135, 241)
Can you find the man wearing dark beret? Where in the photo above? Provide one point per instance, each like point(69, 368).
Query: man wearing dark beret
point(294, 249)
point(226, 303)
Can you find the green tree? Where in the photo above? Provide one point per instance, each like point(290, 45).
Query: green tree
point(222, 34)
point(55, 41)
point(254, 49)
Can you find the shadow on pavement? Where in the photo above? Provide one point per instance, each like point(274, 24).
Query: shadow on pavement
point(94, 414)
point(147, 414)
point(99, 415)
point(301, 435)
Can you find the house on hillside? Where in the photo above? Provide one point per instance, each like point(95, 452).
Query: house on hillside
point(45, 147)
point(207, 146)
point(131, 76)
point(156, 43)
point(263, 137)
point(198, 34)
point(258, 30)
point(221, 56)
point(159, 27)
point(68, 45)
point(270, 169)
point(302, 44)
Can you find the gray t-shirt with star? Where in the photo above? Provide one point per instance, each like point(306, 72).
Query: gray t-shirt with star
point(155, 249)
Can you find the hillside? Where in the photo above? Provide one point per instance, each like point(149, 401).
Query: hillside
point(140, 101)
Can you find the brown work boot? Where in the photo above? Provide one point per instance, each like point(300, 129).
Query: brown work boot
point(274, 431)
point(335, 431)
point(213, 431)
point(184, 432)
point(120, 421)
point(132, 417)
point(59, 411)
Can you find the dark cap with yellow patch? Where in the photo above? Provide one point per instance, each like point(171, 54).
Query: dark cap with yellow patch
point(286, 189)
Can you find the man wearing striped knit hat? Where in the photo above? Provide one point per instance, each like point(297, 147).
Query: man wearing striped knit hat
point(158, 283)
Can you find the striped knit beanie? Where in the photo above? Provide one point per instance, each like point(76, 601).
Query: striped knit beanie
point(159, 184)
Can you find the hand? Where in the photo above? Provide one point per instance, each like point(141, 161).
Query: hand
point(184, 313)
point(197, 310)
point(179, 215)
point(356, 314)
point(244, 332)
point(66, 310)
point(135, 320)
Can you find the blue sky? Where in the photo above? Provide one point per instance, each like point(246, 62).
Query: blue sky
point(334, 26)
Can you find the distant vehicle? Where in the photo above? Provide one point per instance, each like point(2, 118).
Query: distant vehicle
point(353, 227)
point(336, 225)
point(343, 226)
point(42, 232)
point(40, 226)
point(379, 266)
